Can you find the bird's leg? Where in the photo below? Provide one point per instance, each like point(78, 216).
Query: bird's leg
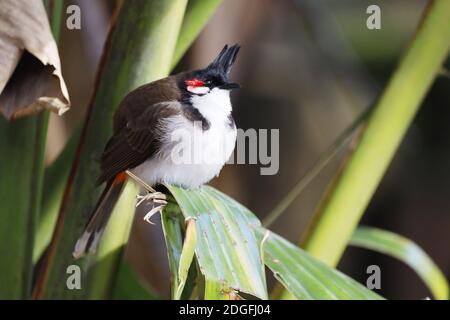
point(157, 198)
point(141, 182)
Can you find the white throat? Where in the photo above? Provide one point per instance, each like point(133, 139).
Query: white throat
point(214, 106)
point(190, 156)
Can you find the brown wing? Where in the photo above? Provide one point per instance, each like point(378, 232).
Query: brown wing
point(135, 137)
point(144, 97)
point(136, 142)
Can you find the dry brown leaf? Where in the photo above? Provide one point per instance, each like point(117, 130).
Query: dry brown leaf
point(30, 70)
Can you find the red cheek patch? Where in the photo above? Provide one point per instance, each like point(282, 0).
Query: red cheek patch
point(195, 83)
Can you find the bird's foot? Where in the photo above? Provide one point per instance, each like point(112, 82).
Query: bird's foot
point(154, 210)
point(158, 200)
point(155, 197)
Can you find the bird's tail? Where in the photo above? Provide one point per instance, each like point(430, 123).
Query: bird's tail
point(89, 240)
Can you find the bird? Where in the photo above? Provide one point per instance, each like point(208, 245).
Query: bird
point(178, 130)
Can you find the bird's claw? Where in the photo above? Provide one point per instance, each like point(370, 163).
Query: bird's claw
point(157, 198)
point(154, 210)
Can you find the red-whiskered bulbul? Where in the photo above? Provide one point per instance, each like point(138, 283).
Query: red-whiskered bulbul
point(155, 129)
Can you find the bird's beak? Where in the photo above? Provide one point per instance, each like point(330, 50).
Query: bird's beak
point(230, 86)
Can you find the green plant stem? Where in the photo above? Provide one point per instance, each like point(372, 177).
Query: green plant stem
point(386, 127)
point(22, 146)
point(139, 50)
point(54, 9)
point(17, 213)
point(320, 164)
point(129, 286)
point(405, 250)
point(198, 12)
point(114, 240)
point(55, 179)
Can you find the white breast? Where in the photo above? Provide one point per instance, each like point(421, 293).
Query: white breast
point(191, 156)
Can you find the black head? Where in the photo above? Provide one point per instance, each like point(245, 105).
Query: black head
point(213, 76)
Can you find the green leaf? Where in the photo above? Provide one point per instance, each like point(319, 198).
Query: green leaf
point(218, 291)
point(180, 255)
point(173, 236)
point(56, 176)
point(198, 12)
point(406, 251)
point(130, 287)
point(109, 256)
point(306, 277)
point(20, 190)
point(187, 255)
point(231, 247)
point(22, 146)
point(227, 250)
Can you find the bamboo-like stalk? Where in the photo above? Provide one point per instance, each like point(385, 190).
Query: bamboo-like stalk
point(55, 179)
point(22, 146)
point(315, 169)
point(17, 149)
point(198, 12)
point(109, 257)
point(139, 50)
point(385, 129)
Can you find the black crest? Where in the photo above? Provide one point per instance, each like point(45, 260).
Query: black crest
point(225, 60)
